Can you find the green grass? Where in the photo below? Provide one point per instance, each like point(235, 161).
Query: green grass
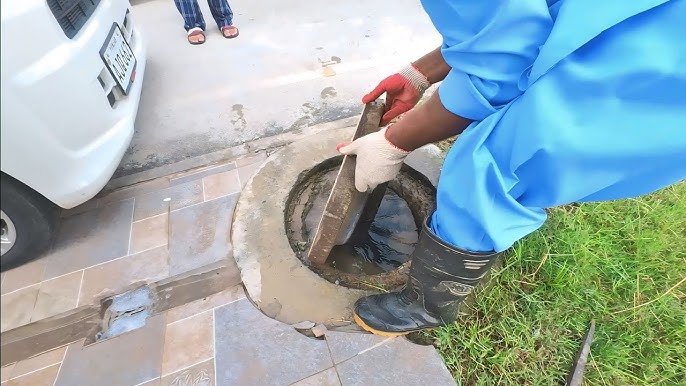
point(592, 261)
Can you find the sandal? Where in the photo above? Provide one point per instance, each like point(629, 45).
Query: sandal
point(196, 36)
point(229, 31)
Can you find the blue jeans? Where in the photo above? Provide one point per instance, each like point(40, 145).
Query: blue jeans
point(192, 17)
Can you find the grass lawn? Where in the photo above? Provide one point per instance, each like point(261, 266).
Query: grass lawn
point(621, 263)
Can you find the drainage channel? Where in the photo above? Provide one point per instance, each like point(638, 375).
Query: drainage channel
point(117, 314)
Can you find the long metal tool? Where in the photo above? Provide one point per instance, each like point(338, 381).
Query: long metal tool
point(345, 204)
point(576, 376)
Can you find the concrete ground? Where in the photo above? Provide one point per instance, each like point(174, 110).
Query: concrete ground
point(295, 66)
point(155, 231)
point(296, 63)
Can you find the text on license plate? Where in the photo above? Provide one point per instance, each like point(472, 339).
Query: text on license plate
point(119, 58)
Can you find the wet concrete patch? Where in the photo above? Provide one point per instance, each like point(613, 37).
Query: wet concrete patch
point(200, 234)
point(34, 338)
point(124, 312)
point(276, 280)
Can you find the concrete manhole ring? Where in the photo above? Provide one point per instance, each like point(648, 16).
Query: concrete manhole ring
point(276, 280)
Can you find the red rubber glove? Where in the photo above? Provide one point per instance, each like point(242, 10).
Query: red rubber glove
point(403, 91)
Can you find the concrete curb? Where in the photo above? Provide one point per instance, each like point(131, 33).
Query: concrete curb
point(275, 279)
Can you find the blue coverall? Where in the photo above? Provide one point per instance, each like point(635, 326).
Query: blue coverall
point(572, 101)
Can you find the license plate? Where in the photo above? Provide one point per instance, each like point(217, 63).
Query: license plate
point(119, 58)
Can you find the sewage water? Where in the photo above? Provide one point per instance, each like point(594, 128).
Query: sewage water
point(390, 239)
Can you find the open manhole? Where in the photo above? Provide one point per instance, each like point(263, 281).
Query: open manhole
point(378, 259)
point(277, 213)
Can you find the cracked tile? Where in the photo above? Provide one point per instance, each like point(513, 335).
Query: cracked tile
point(23, 276)
point(325, 378)
point(397, 362)
point(57, 295)
point(252, 349)
point(345, 345)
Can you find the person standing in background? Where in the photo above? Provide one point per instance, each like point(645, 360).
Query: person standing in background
point(194, 22)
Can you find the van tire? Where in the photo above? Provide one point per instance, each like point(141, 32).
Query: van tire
point(33, 217)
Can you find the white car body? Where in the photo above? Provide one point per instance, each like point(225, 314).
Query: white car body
point(61, 136)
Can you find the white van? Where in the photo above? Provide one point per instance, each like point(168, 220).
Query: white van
point(72, 72)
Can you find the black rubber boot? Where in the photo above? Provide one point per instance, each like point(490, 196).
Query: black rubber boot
point(441, 276)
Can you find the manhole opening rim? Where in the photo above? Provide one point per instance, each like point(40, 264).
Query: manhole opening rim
point(410, 185)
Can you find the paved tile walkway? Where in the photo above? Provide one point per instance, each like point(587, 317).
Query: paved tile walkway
point(224, 340)
point(148, 232)
point(138, 234)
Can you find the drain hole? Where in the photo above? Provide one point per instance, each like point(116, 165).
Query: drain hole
point(123, 313)
point(379, 259)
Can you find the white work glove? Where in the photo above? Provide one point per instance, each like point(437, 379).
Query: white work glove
point(377, 161)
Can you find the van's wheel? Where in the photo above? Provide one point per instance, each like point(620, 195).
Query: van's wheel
point(27, 222)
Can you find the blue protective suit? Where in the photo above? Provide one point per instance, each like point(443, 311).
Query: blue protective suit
point(572, 101)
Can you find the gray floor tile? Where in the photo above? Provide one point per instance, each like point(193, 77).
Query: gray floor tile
point(325, 378)
point(91, 238)
point(38, 362)
point(126, 360)
point(134, 190)
point(23, 276)
point(201, 374)
point(252, 349)
point(115, 276)
point(202, 172)
point(200, 234)
point(152, 382)
point(345, 345)
point(17, 307)
point(254, 158)
point(6, 372)
point(149, 233)
point(395, 363)
point(177, 196)
point(188, 342)
point(229, 295)
point(91, 204)
point(246, 172)
point(221, 184)
point(42, 377)
point(57, 295)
